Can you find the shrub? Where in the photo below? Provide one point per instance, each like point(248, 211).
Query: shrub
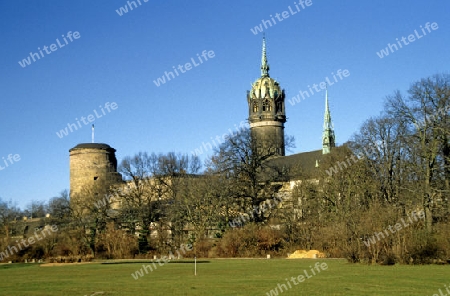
point(250, 241)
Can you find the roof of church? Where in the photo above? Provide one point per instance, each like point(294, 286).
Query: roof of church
point(303, 163)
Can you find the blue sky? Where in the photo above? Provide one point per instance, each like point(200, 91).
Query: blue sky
point(117, 58)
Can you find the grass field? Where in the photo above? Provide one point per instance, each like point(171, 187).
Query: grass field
point(224, 277)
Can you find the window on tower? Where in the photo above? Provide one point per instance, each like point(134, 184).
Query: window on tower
point(255, 107)
point(267, 106)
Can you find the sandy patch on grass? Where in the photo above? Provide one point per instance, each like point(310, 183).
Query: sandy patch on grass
point(299, 254)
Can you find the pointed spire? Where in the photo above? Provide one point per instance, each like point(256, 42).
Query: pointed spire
point(328, 138)
point(264, 65)
point(327, 117)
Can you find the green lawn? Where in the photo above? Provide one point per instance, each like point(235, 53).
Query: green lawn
point(223, 277)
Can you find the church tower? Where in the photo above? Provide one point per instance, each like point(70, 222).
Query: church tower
point(328, 138)
point(267, 112)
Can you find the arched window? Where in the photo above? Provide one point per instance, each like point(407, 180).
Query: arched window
point(255, 107)
point(267, 106)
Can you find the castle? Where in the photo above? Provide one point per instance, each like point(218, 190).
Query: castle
point(93, 166)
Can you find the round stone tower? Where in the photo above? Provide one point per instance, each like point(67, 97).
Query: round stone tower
point(267, 112)
point(93, 169)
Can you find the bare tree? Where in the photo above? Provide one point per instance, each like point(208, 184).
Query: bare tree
point(426, 111)
point(9, 212)
point(153, 184)
point(382, 144)
point(59, 207)
point(36, 209)
point(254, 178)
